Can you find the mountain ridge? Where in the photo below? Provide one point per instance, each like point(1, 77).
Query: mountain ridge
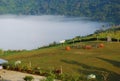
point(100, 10)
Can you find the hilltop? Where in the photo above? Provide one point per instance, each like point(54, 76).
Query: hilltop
point(111, 34)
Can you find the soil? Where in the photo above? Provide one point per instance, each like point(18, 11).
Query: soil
point(6, 75)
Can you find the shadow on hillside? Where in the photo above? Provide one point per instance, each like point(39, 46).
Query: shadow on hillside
point(115, 63)
point(95, 70)
point(82, 65)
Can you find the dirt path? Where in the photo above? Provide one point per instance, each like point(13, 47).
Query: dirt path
point(16, 76)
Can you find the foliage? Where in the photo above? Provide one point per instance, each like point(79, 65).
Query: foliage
point(100, 35)
point(49, 78)
point(104, 10)
point(28, 78)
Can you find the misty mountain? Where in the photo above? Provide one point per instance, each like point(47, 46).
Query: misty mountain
point(101, 10)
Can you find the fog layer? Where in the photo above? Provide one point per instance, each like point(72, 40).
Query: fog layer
point(30, 32)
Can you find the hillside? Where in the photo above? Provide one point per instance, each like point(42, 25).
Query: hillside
point(80, 60)
point(102, 34)
point(101, 10)
point(77, 61)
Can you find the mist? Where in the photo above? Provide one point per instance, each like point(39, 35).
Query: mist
point(30, 32)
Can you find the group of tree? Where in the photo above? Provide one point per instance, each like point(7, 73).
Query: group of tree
point(103, 10)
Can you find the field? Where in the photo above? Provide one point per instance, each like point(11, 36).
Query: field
point(76, 61)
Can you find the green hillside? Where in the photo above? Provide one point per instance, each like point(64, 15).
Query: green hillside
point(101, 10)
point(102, 34)
point(77, 61)
point(80, 61)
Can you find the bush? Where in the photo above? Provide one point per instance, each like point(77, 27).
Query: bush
point(28, 78)
point(49, 78)
point(6, 66)
point(9, 66)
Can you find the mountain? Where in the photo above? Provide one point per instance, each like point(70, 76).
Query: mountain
point(101, 10)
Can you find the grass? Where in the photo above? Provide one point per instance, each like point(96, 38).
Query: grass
point(76, 61)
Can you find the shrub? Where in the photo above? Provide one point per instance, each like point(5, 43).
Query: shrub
point(18, 68)
point(6, 66)
point(28, 78)
point(9, 66)
point(49, 78)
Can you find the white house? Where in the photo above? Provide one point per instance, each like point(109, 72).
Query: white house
point(62, 41)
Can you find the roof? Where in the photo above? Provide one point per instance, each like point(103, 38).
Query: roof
point(2, 61)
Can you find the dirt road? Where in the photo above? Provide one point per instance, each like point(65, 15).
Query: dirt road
point(7, 75)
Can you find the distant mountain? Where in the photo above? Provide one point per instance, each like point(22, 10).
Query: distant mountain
point(101, 10)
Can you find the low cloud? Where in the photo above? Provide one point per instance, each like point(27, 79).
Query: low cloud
point(29, 32)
